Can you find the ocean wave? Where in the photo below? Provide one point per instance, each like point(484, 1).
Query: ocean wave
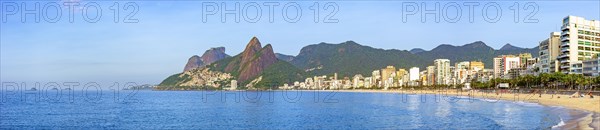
point(463, 97)
point(560, 124)
point(529, 104)
point(489, 100)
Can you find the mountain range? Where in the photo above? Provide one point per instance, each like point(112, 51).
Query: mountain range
point(350, 58)
point(258, 62)
point(260, 65)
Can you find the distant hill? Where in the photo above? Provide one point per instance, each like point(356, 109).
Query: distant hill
point(476, 51)
point(508, 46)
point(350, 58)
point(284, 57)
point(416, 50)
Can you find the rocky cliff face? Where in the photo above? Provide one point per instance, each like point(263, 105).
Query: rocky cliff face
point(214, 54)
point(252, 61)
point(211, 55)
point(257, 63)
point(256, 67)
point(193, 62)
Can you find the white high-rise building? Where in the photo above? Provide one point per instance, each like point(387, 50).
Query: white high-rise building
point(511, 63)
point(549, 51)
point(503, 64)
point(442, 71)
point(580, 40)
point(233, 84)
point(413, 73)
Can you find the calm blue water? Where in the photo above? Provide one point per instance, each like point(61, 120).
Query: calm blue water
point(188, 109)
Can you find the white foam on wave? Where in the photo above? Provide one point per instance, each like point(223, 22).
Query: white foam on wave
point(560, 124)
point(529, 104)
point(463, 97)
point(489, 100)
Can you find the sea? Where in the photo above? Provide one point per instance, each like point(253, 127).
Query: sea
point(146, 109)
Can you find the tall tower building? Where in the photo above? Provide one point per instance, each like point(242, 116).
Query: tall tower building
point(549, 51)
point(442, 71)
point(430, 75)
point(498, 67)
point(580, 40)
point(504, 63)
point(413, 76)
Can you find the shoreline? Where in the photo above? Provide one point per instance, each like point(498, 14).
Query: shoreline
point(589, 118)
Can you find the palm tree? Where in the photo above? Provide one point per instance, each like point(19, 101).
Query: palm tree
point(529, 80)
point(544, 79)
point(596, 81)
point(580, 81)
point(571, 80)
point(557, 77)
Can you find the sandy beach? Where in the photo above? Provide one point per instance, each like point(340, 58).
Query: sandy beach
point(589, 119)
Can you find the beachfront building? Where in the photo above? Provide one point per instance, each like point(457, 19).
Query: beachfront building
point(580, 40)
point(524, 57)
point(590, 67)
point(531, 63)
point(375, 78)
point(424, 78)
point(430, 75)
point(577, 68)
point(497, 67)
point(387, 75)
point(357, 81)
point(232, 85)
point(461, 71)
point(414, 76)
point(510, 63)
point(504, 63)
point(403, 77)
point(476, 66)
point(368, 83)
point(484, 75)
point(319, 82)
point(442, 71)
point(309, 83)
point(549, 51)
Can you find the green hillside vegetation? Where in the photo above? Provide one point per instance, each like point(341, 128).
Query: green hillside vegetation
point(279, 73)
point(275, 75)
point(173, 80)
point(350, 58)
point(222, 64)
point(476, 51)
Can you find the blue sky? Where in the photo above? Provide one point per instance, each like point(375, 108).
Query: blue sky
point(168, 33)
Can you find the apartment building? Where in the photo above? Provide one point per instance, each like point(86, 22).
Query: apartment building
point(503, 64)
point(442, 71)
point(580, 40)
point(549, 51)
